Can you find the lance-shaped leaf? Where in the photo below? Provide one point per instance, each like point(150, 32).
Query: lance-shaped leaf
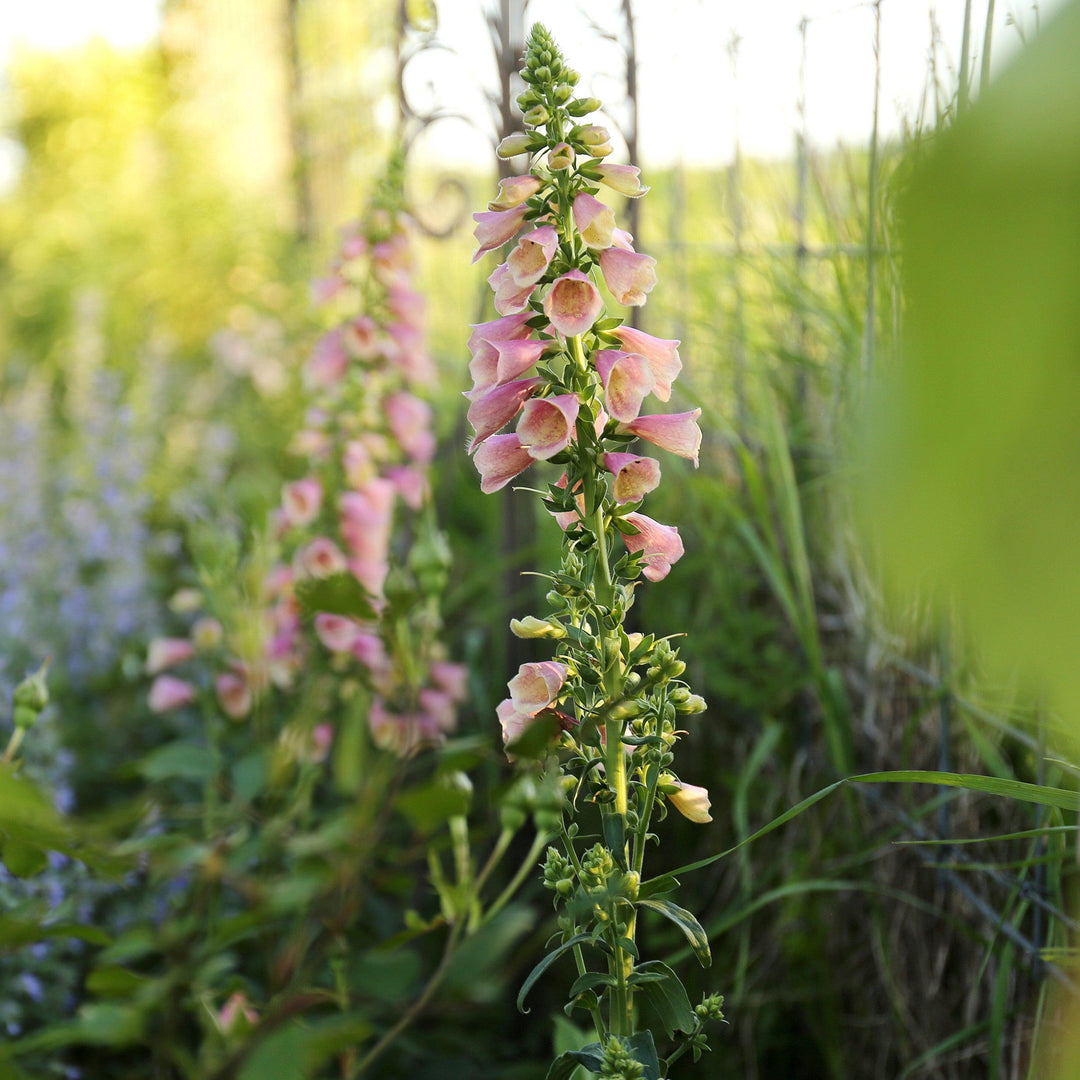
point(687, 923)
point(530, 981)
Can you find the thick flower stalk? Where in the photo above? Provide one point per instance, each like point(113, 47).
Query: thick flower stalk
point(354, 580)
point(602, 716)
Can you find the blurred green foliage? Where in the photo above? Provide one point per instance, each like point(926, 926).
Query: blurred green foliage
point(974, 486)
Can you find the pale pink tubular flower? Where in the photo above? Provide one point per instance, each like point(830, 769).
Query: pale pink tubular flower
point(451, 678)
point(499, 459)
point(366, 520)
point(536, 685)
point(629, 275)
point(324, 289)
point(508, 328)
point(594, 220)
point(371, 573)
point(528, 262)
point(627, 378)
point(237, 1011)
point(547, 425)
point(357, 463)
point(514, 190)
point(438, 708)
point(510, 298)
point(409, 420)
point(622, 239)
point(337, 632)
point(166, 653)
point(635, 476)
point(677, 433)
point(329, 361)
point(168, 693)
point(321, 558)
point(301, 500)
point(660, 545)
point(492, 409)
point(371, 652)
point(410, 483)
point(573, 304)
point(495, 227)
point(690, 800)
point(662, 354)
point(625, 179)
point(233, 694)
point(361, 337)
point(512, 722)
point(504, 361)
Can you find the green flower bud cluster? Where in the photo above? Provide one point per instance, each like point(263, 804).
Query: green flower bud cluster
point(597, 866)
point(30, 698)
point(618, 1063)
point(711, 1008)
point(559, 873)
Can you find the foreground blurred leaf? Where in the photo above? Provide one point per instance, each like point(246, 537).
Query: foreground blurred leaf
point(179, 760)
point(975, 481)
point(339, 594)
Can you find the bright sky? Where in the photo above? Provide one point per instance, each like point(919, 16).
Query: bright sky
point(689, 98)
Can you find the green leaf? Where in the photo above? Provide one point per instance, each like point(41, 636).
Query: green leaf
point(667, 996)
point(590, 979)
point(429, 805)
point(565, 1065)
point(22, 859)
point(113, 981)
point(657, 886)
point(249, 775)
point(338, 594)
point(990, 785)
point(534, 741)
point(28, 817)
point(296, 1053)
point(534, 975)
point(687, 923)
point(16, 931)
point(181, 760)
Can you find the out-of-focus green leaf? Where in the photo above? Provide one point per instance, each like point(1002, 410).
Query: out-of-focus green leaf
point(22, 859)
point(17, 931)
point(338, 594)
point(429, 805)
point(113, 981)
point(295, 1052)
point(181, 760)
point(974, 479)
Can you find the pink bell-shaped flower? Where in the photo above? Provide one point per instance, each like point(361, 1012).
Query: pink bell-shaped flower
point(635, 476)
point(660, 545)
point(536, 685)
point(510, 298)
point(528, 262)
point(594, 220)
point(629, 275)
point(662, 354)
point(499, 459)
point(490, 410)
point(573, 304)
point(627, 378)
point(495, 227)
point(547, 425)
point(677, 433)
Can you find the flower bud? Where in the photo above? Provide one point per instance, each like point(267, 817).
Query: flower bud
point(594, 138)
point(695, 703)
point(531, 627)
point(513, 145)
point(537, 116)
point(583, 106)
point(542, 74)
point(30, 697)
point(562, 93)
point(561, 156)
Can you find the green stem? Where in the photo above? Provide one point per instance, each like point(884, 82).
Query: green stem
point(528, 863)
point(17, 737)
